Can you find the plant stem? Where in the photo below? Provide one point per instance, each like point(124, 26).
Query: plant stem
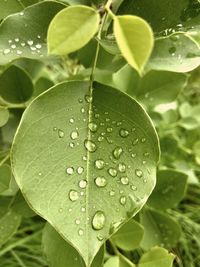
point(5, 159)
point(18, 259)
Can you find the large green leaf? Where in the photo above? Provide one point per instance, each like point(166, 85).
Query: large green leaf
point(177, 52)
point(15, 85)
point(135, 40)
point(157, 257)
point(59, 253)
point(159, 229)
point(71, 29)
point(24, 34)
point(129, 236)
point(5, 176)
point(92, 167)
point(170, 189)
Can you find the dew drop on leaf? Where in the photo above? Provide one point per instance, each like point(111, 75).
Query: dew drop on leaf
point(60, 134)
point(70, 170)
point(83, 184)
point(92, 126)
point(80, 170)
point(122, 200)
point(139, 173)
point(135, 141)
point(99, 164)
point(112, 172)
point(73, 195)
point(100, 181)
point(117, 152)
point(80, 232)
point(74, 135)
point(122, 167)
point(6, 51)
point(124, 180)
point(98, 220)
point(90, 145)
point(123, 133)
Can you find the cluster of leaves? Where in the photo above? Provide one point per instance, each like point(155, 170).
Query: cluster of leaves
point(84, 158)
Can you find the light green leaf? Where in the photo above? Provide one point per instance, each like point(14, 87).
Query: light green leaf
point(135, 40)
point(9, 221)
point(5, 176)
point(71, 29)
point(15, 85)
point(41, 85)
point(24, 34)
point(92, 167)
point(4, 116)
point(59, 253)
point(159, 229)
point(157, 257)
point(170, 189)
point(129, 236)
point(177, 52)
point(119, 261)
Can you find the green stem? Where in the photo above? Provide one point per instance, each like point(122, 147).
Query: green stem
point(22, 5)
point(5, 159)
point(19, 243)
point(18, 259)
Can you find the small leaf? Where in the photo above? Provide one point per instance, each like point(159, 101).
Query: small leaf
point(119, 261)
point(59, 253)
point(157, 257)
point(170, 189)
point(18, 89)
point(159, 229)
point(135, 40)
point(27, 32)
point(129, 236)
point(71, 29)
point(5, 176)
point(92, 167)
point(4, 116)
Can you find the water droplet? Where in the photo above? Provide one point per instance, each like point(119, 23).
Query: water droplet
point(112, 172)
point(143, 140)
point(88, 98)
point(17, 40)
point(112, 193)
point(99, 164)
point(122, 167)
point(98, 220)
point(38, 46)
point(100, 238)
point(93, 127)
point(77, 221)
point(90, 146)
point(124, 133)
point(19, 52)
point(139, 173)
point(71, 144)
point(83, 209)
point(145, 181)
point(60, 210)
point(122, 200)
point(84, 158)
point(80, 170)
point(83, 184)
point(55, 129)
point(73, 195)
point(146, 154)
point(21, 13)
point(30, 42)
point(74, 135)
point(109, 129)
point(133, 187)
point(135, 142)
point(13, 46)
point(80, 100)
point(82, 110)
point(124, 180)
point(80, 232)
point(70, 170)
point(6, 51)
point(38, 36)
point(60, 133)
point(71, 120)
point(117, 152)
point(100, 181)
point(96, 115)
point(133, 155)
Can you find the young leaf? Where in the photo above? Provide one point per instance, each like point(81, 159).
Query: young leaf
point(92, 167)
point(24, 34)
point(59, 253)
point(4, 116)
point(17, 89)
point(71, 29)
point(119, 261)
point(135, 40)
point(159, 229)
point(157, 257)
point(129, 236)
point(170, 189)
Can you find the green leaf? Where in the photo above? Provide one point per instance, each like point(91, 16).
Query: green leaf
point(9, 222)
point(170, 189)
point(59, 253)
point(21, 207)
point(41, 85)
point(157, 257)
point(5, 176)
point(129, 236)
point(8, 7)
point(71, 29)
point(159, 229)
point(119, 261)
point(4, 116)
point(135, 40)
point(177, 52)
point(24, 34)
point(92, 166)
point(17, 89)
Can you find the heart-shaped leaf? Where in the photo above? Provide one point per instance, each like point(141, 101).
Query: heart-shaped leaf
point(135, 40)
point(83, 165)
point(71, 29)
point(24, 34)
